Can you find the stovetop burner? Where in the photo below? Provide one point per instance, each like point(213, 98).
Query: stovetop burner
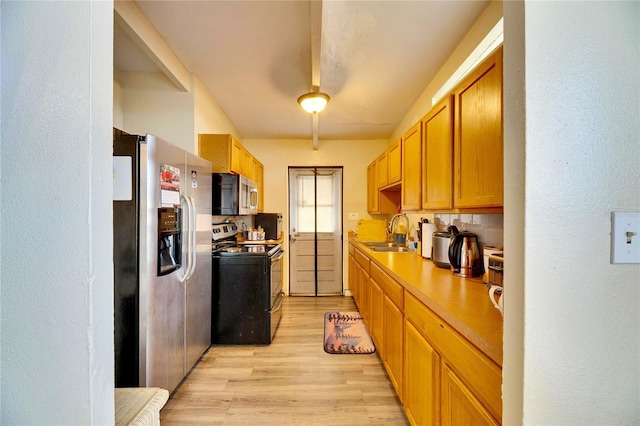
point(262, 249)
point(224, 243)
point(223, 231)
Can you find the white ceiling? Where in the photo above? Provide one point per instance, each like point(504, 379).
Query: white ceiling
point(254, 57)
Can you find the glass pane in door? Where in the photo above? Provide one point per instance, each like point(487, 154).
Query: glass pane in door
point(316, 231)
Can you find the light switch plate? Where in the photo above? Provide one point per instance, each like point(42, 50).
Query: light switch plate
point(354, 216)
point(625, 237)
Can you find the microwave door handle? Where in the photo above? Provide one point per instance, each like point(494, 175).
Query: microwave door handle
point(254, 199)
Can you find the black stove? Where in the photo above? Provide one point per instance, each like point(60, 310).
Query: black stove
point(246, 289)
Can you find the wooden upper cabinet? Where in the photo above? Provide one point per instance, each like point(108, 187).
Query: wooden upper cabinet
point(373, 199)
point(478, 147)
point(411, 167)
point(395, 162)
point(258, 168)
point(237, 157)
point(248, 168)
point(227, 155)
point(437, 156)
point(383, 167)
point(223, 151)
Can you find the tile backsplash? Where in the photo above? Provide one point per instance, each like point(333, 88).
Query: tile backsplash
point(488, 227)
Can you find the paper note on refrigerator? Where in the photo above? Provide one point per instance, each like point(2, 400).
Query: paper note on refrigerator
point(122, 178)
point(169, 186)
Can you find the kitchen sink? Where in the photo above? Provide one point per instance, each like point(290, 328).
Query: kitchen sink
point(387, 246)
point(391, 248)
point(380, 244)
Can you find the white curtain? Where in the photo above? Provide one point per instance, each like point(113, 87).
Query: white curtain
point(325, 202)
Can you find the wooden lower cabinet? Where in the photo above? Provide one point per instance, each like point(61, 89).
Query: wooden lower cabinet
point(439, 376)
point(353, 277)
point(394, 344)
point(480, 377)
point(459, 404)
point(421, 378)
point(365, 295)
point(376, 324)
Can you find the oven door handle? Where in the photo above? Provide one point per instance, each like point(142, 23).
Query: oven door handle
point(276, 309)
point(278, 256)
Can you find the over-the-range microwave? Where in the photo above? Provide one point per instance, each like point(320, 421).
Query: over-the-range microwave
point(233, 195)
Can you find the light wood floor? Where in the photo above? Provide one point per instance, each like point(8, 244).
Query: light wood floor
point(290, 382)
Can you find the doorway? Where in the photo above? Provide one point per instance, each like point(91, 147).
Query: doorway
point(315, 231)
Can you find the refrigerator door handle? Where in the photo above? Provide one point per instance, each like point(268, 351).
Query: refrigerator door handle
point(188, 236)
point(192, 240)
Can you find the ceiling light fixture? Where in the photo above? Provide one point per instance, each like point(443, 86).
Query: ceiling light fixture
point(313, 102)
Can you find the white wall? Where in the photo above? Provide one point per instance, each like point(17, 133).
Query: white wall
point(514, 198)
point(581, 136)
point(118, 104)
point(208, 116)
point(151, 103)
point(56, 239)
point(353, 156)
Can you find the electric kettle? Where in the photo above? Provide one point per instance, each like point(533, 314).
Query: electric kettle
point(464, 254)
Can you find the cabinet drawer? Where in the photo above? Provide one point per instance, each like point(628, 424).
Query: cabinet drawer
point(474, 368)
point(389, 286)
point(362, 260)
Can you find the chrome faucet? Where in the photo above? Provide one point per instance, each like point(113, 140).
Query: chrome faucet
point(394, 229)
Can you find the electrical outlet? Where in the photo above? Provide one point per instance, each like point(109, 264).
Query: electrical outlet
point(625, 237)
point(354, 216)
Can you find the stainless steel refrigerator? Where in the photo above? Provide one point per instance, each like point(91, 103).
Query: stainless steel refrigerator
point(162, 260)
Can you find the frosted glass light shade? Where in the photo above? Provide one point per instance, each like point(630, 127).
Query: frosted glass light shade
point(313, 102)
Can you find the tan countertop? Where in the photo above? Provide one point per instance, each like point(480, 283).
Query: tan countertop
point(461, 302)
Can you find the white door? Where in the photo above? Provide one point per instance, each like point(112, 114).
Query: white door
point(315, 234)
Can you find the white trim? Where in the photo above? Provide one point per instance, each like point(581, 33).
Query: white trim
point(492, 40)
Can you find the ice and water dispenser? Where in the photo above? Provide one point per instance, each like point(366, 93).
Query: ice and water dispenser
point(169, 240)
